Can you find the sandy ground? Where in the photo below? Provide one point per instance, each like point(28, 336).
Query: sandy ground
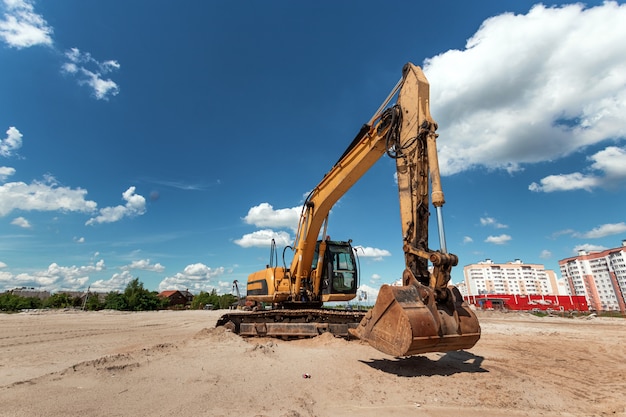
point(176, 363)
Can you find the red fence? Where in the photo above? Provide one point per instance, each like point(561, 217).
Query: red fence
point(529, 302)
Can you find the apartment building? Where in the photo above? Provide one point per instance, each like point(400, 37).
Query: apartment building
point(599, 276)
point(516, 277)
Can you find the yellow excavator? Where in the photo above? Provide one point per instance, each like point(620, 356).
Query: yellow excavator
point(423, 314)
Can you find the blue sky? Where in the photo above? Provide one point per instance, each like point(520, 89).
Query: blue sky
point(171, 141)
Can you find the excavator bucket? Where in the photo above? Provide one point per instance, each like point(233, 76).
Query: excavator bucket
point(409, 320)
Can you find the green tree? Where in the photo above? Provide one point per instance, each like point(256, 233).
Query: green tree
point(93, 303)
point(212, 298)
point(59, 300)
point(200, 300)
point(138, 298)
point(115, 301)
point(12, 302)
point(226, 300)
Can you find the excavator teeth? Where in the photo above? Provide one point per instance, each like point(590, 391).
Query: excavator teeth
point(408, 321)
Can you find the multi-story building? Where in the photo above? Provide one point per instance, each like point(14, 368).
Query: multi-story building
point(515, 277)
point(599, 276)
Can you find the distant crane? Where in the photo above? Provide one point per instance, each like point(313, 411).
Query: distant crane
point(240, 304)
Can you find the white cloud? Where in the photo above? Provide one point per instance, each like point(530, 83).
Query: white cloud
point(135, 206)
point(43, 196)
point(565, 182)
point(2, 265)
point(467, 239)
point(490, 221)
point(611, 161)
point(374, 253)
point(524, 95)
point(12, 142)
point(369, 294)
point(195, 277)
point(79, 239)
point(604, 230)
point(545, 254)
point(145, 265)
point(264, 215)
point(55, 277)
point(90, 72)
point(587, 247)
point(21, 222)
point(21, 27)
point(6, 172)
point(117, 282)
point(498, 240)
point(609, 165)
point(263, 238)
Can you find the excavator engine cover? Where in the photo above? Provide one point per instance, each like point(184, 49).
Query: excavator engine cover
point(410, 320)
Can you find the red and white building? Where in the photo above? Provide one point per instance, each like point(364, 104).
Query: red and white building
point(516, 286)
point(488, 277)
point(599, 276)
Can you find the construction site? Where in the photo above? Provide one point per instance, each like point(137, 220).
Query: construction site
point(71, 363)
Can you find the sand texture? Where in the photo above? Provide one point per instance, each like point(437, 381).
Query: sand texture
point(71, 363)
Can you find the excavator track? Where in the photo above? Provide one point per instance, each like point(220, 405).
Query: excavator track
point(288, 324)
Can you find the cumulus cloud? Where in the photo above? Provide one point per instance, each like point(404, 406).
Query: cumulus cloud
point(135, 206)
point(263, 238)
point(490, 221)
point(467, 239)
point(498, 240)
point(565, 182)
point(195, 277)
point(21, 27)
point(55, 277)
point(21, 222)
point(603, 231)
point(545, 254)
point(6, 172)
point(117, 282)
point(524, 95)
point(144, 265)
point(607, 168)
point(264, 215)
point(587, 247)
point(373, 253)
point(44, 195)
point(611, 161)
point(367, 294)
point(11, 143)
point(91, 72)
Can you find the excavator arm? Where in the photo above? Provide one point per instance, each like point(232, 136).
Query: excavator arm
point(424, 314)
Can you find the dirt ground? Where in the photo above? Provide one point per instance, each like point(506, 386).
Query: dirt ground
point(166, 363)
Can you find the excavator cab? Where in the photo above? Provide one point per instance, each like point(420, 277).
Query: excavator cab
point(339, 271)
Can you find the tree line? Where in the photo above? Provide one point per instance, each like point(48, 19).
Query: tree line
point(134, 298)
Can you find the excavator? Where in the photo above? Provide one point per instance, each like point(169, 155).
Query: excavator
point(424, 313)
